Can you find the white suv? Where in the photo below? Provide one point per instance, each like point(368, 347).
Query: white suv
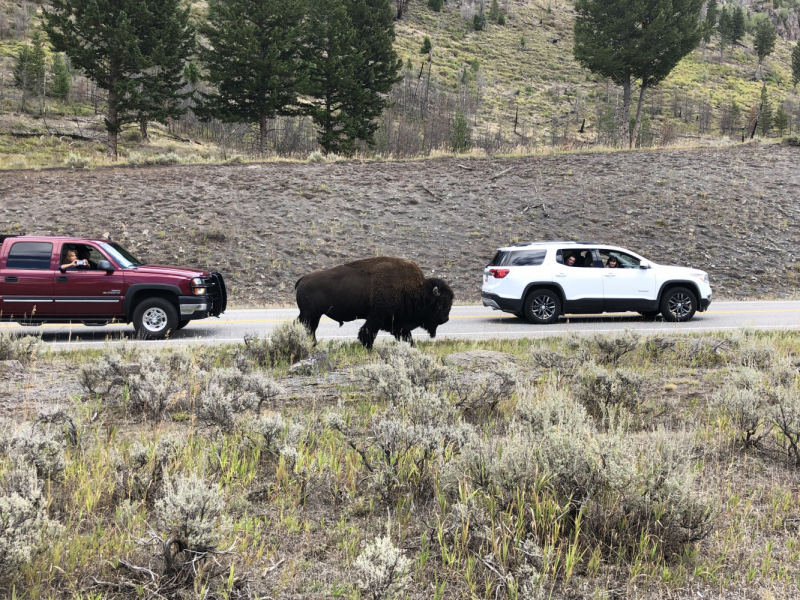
point(542, 280)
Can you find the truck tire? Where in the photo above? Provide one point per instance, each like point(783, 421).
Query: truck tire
point(678, 304)
point(542, 307)
point(154, 318)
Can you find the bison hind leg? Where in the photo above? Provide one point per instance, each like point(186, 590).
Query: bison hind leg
point(310, 322)
point(405, 335)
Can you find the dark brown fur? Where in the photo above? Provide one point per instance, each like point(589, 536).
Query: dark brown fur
point(392, 294)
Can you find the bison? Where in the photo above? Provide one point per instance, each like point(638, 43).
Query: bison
point(390, 293)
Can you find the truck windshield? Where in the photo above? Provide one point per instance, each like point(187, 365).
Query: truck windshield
point(124, 259)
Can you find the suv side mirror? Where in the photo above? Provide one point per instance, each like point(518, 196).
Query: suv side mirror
point(645, 265)
point(104, 265)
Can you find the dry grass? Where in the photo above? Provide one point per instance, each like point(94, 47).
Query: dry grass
point(314, 496)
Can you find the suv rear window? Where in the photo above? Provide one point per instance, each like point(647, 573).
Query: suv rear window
point(518, 258)
point(30, 255)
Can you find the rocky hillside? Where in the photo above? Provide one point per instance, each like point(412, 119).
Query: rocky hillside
point(732, 211)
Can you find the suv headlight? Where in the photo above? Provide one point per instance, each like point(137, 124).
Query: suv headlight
point(198, 286)
point(701, 276)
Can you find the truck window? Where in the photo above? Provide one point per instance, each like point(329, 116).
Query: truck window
point(30, 255)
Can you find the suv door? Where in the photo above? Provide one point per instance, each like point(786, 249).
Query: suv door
point(84, 292)
point(627, 287)
point(582, 282)
point(28, 281)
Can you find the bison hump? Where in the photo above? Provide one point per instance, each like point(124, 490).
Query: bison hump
point(389, 266)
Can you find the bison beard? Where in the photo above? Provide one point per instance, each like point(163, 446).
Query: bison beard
point(392, 294)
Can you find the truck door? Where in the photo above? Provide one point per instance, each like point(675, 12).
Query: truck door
point(26, 289)
point(84, 292)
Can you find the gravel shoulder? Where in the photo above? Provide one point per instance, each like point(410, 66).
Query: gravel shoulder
point(732, 211)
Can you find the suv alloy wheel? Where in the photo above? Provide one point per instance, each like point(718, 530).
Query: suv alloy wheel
point(542, 306)
point(678, 304)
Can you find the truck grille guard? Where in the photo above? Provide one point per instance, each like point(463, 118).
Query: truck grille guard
point(218, 294)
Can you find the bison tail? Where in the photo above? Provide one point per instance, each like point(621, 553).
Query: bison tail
point(296, 283)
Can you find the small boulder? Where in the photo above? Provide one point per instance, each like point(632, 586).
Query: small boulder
point(313, 363)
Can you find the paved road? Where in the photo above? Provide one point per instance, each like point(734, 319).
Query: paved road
point(466, 322)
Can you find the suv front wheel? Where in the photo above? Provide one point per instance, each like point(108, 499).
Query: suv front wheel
point(542, 306)
point(154, 318)
point(678, 304)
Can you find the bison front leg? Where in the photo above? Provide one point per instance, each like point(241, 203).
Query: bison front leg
point(405, 335)
point(367, 334)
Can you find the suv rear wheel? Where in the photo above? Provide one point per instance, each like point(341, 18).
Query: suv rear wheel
point(678, 304)
point(154, 318)
point(542, 306)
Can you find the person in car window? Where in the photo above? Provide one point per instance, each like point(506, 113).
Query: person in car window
point(83, 255)
point(71, 260)
point(570, 260)
point(612, 262)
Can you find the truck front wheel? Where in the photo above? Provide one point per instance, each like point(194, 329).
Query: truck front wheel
point(154, 318)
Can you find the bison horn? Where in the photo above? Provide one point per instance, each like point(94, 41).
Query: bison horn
point(436, 291)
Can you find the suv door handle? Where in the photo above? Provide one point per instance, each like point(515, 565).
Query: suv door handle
point(610, 275)
point(62, 278)
point(11, 279)
point(561, 274)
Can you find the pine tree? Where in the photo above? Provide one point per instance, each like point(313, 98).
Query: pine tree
point(796, 65)
point(460, 136)
point(426, 46)
point(781, 120)
point(29, 69)
point(734, 114)
point(435, 5)
point(59, 78)
point(711, 20)
point(765, 113)
point(725, 28)
point(253, 60)
point(737, 25)
point(626, 40)
point(123, 46)
point(168, 41)
point(353, 66)
point(494, 11)
point(764, 40)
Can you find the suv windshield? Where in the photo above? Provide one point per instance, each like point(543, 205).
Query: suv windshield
point(124, 259)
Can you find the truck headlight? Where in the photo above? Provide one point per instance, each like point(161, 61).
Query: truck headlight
point(198, 286)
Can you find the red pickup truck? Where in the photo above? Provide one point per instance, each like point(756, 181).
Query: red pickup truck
point(96, 282)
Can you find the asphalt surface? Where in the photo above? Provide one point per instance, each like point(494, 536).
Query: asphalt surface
point(466, 322)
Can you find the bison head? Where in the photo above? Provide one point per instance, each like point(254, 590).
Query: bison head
point(438, 301)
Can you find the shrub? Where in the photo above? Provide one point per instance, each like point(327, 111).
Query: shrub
point(192, 512)
point(267, 430)
point(610, 348)
point(217, 408)
point(435, 5)
point(384, 571)
point(786, 417)
point(600, 389)
point(76, 161)
point(22, 348)
point(487, 391)
point(25, 528)
point(289, 342)
point(39, 446)
point(170, 158)
point(548, 360)
point(150, 392)
point(316, 156)
point(402, 369)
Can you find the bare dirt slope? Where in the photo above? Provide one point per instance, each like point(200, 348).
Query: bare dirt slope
point(732, 211)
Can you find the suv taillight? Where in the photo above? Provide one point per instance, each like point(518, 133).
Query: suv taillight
point(498, 273)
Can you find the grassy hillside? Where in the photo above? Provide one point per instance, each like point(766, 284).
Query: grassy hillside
point(521, 71)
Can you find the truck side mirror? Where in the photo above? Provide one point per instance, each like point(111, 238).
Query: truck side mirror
point(104, 265)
